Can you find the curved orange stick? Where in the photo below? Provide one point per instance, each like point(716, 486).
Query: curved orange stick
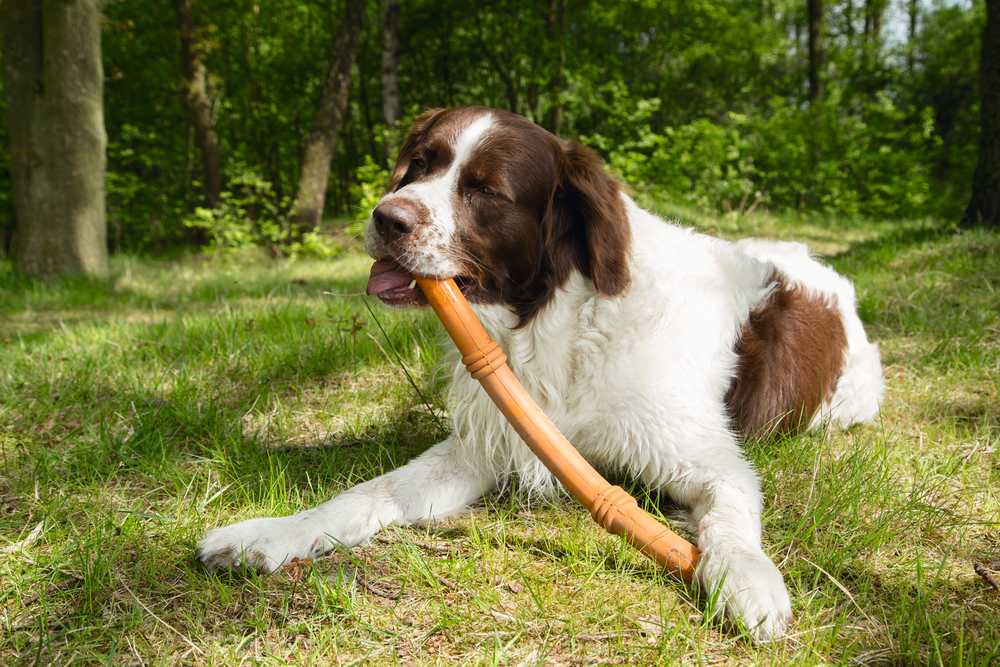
point(611, 506)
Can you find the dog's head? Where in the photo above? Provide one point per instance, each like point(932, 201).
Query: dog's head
point(502, 206)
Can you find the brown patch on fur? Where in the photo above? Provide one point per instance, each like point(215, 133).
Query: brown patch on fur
point(791, 351)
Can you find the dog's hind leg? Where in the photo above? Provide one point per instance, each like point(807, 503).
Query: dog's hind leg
point(437, 483)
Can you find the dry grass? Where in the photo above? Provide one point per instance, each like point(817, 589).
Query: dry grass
point(136, 412)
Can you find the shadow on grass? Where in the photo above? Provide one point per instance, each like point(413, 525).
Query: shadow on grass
point(150, 399)
point(975, 420)
point(895, 238)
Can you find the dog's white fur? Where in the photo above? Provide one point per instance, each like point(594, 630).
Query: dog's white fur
point(635, 383)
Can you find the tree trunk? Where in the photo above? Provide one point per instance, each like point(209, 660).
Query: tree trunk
point(199, 105)
point(55, 87)
point(307, 211)
point(556, 29)
point(505, 78)
point(815, 8)
point(869, 14)
point(984, 206)
point(849, 21)
point(873, 21)
point(391, 111)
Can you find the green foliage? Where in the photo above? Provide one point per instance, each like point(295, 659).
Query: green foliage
point(249, 215)
point(371, 181)
point(704, 103)
point(869, 163)
point(702, 163)
point(153, 165)
point(141, 216)
point(946, 80)
point(805, 157)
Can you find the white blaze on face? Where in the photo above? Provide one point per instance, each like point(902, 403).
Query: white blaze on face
point(431, 254)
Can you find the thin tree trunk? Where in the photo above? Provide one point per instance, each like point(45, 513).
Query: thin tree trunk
point(873, 21)
point(54, 83)
point(391, 110)
point(815, 8)
point(556, 28)
point(310, 197)
point(913, 10)
point(849, 20)
point(984, 206)
point(449, 83)
point(877, 23)
point(199, 104)
point(505, 79)
point(367, 113)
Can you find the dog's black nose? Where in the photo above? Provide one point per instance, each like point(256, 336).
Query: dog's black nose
point(393, 221)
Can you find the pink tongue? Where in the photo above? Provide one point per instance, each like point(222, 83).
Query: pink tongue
point(386, 275)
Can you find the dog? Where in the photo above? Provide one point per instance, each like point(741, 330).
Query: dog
point(654, 349)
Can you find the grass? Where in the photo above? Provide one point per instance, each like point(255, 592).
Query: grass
point(137, 411)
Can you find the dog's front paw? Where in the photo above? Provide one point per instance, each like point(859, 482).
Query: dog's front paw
point(747, 587)
point(260, 544)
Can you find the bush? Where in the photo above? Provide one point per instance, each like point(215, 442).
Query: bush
point(248, 215)
point(371, 181)
point(144, 203)
point(702, 163)
point(869, 161)
point(862, 163)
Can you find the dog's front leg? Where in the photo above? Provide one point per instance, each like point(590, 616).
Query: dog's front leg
point(725, 501)
point(435, 484)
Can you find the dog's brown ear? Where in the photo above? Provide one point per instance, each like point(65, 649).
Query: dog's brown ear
point(413, 139)
point(587, 226)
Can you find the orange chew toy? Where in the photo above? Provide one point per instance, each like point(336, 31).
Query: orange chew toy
point(611, 506)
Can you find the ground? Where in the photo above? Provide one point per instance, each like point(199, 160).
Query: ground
point(175, 396)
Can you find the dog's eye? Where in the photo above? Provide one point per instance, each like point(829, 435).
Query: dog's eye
point(480, 191)
point(418, 162)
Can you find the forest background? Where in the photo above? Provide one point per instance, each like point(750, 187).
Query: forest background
point(725, 106)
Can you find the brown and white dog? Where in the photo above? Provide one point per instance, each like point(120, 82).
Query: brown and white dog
point(654, 349)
